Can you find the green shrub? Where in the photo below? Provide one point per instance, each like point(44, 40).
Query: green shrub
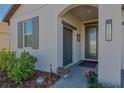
point(7, 59)
point(23, 68)
point(96, 85)
point(18, 69)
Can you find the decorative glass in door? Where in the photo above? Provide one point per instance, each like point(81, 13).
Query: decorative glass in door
point(91, 49)
point(92, 42)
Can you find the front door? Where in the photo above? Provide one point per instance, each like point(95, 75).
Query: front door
point(91, 42)
point(67, 46)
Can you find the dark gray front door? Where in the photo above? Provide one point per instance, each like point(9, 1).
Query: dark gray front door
point(91, 42)
point(67, 46)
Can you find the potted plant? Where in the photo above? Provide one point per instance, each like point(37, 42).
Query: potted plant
point(66, 72)
point(91, 76)
point(63, 72)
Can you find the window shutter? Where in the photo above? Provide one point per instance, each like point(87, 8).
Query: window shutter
point(35, 33)
point(20, 34)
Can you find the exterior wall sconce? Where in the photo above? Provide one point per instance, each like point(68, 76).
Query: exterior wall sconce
point(108, 30)
point(78, 37)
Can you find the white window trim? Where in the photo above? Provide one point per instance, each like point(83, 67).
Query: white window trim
point(25, 34)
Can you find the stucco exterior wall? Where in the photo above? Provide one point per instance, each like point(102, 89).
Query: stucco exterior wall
point(4, 40)
point(47, 52)
point(4, 36)
point(109, 67)
point(122, 18)
point(4, 27)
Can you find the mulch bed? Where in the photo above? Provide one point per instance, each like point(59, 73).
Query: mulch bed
point(5, 82)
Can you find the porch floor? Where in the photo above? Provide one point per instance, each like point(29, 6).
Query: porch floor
point(76, 80)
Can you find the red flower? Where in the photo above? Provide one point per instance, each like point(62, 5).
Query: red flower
point(92, 70)
point(88, 72)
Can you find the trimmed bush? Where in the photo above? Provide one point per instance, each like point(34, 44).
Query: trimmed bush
point(23, 68)
point(7, 59)
point(18, 69)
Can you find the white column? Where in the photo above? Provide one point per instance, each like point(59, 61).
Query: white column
point(109, 66)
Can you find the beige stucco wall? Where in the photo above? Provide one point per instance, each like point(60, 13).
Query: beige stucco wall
point(122, 18)
point(71, 19)
point(4, 35)
point(109, 67)
point(47, 52)
point(4, 27)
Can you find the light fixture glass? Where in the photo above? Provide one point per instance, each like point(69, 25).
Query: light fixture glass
point(108, 32)
point(88, 11)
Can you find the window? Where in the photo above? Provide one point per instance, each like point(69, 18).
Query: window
point(28, 33)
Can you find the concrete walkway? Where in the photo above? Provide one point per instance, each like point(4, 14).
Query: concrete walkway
point(76, 80)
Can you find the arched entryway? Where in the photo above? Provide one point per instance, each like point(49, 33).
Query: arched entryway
point(78, 34)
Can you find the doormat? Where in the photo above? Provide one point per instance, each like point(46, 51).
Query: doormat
point(87, 63)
